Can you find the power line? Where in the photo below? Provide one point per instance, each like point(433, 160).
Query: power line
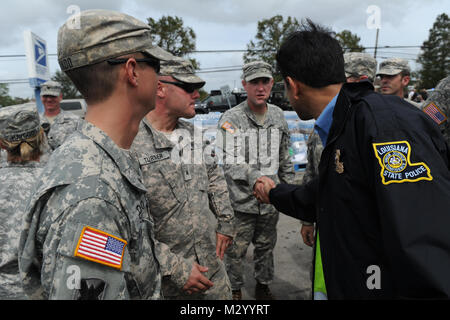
point(227, 51)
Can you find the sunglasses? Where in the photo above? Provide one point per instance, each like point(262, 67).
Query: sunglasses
point(152, 62)
point(188, 87)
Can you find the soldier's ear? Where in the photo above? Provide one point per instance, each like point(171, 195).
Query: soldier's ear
point(293, 86)
point(161, 90)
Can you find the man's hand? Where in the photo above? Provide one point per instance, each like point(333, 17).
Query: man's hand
point(222, 243)
point(197, 282)
point(307, 233)
point(262, 187)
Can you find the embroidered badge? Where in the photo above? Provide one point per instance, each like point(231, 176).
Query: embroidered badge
point(396, 166)
point(228, 127)
point(339, 164)
point(101, 247)
point(435, 113)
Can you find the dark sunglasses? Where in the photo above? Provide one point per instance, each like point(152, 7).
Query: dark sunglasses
point(188, 87)
point(152, 62)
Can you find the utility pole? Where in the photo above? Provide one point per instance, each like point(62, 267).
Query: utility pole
point(376, 44)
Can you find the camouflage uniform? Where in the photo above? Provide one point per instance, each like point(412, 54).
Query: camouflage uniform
point(62, 126)
point(264, 153)
point(189, 203)
point(16, 184)
point(92, 189)
point(437, 106)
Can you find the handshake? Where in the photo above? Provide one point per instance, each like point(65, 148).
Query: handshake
point(262, 187)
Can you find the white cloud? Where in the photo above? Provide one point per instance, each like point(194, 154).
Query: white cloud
point(226, 24)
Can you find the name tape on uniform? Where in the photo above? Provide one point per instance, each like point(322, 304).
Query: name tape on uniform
point(151, 158)
point(396, 167)
point(101, 247)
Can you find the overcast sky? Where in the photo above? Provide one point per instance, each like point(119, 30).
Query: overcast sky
point(222, 25)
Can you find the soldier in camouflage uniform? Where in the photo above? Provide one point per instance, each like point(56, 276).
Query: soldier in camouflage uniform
point(254, 140)
point(22, 136)
point(190, 203)
point(395, 77)
point(437, 106)
point(88, 232)
point(58, 124)
point(358, 67)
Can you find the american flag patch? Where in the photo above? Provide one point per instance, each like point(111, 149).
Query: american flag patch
point(101, 247)
point(228, 127)
point(435, 113)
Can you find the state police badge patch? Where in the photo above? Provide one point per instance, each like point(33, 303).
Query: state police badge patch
point(396, 166)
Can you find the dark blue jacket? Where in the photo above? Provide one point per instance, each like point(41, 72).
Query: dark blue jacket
point(382, 200)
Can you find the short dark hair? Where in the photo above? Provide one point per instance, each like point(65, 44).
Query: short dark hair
point(312, 55)
point(95, 82)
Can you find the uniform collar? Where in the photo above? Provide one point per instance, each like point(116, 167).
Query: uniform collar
point(251, 115)
point(127, 164)
point(159, 139)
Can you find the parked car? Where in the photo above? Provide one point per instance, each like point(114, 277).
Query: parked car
point(76, 106)
point(216, 102)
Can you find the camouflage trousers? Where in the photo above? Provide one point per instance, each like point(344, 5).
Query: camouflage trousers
point(221, 290)
point(261, 231)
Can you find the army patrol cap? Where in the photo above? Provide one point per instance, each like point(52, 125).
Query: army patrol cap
point(358, 64)
point(256, 69)
point(51, 88)
point(103, 35)
point(181, 70)
point(393, 67)
point(19, 122)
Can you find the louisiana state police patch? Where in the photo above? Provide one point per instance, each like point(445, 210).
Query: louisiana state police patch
point(396, 166)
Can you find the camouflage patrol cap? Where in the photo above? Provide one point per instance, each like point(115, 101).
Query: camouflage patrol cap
point(256, 69)
point(19, 122)
point(51, 88)
point(182, 70)
point(440, 96)
point(393, 67)
point(360, 64)
point(103, 35)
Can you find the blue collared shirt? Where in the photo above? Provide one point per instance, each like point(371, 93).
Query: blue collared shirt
point(324, 121)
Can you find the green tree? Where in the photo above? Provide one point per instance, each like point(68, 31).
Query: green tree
point(6, 99)
point(269, 36)
point(349, 41)
point(69, 91)
point(435, 56)
point(170, 34)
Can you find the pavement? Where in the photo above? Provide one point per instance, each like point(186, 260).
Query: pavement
point(292, 260)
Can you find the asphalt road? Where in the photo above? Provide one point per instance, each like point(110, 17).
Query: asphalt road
point(292, 260)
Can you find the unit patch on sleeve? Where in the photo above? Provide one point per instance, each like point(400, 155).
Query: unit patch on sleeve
point(396, 167)
point(101, 247)
point(435, 113)
point(228, 127)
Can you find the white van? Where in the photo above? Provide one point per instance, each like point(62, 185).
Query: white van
point(76, 106)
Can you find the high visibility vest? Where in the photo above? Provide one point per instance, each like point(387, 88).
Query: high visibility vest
point(320, 290)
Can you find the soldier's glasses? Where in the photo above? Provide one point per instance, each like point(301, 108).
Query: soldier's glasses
point(188, 87)
point(152, 62)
